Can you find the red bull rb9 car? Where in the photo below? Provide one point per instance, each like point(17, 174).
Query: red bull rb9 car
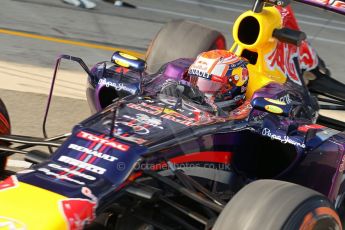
point(145, 159)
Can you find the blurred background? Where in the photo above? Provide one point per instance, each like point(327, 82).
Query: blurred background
point(34, 32)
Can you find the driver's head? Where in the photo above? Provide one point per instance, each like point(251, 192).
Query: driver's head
point(222, 76)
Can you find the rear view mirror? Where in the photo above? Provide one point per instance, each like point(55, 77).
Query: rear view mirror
point(272, 106)
point(128, 61)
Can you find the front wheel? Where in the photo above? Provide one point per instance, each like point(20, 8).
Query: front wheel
point(272, 205)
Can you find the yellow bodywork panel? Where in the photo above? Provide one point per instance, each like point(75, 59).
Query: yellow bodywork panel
point(28, 207)
point(260, 73)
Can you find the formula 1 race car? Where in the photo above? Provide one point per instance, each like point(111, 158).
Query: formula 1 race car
point(148, 160)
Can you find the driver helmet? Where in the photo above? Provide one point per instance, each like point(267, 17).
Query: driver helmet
point(222, 76)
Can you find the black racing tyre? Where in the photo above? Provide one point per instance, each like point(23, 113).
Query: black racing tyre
point(181, 39)
point(5, 128)
point(275, 205)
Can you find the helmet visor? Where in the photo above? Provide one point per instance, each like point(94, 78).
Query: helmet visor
point(207, 86)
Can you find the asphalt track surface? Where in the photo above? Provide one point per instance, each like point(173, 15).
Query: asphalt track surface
point(34, 32)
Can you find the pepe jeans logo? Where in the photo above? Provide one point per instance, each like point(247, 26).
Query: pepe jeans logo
point(283, 139)
point(117, 86)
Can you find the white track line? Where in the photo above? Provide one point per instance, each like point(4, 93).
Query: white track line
point(324, 26)
point(326, 40)
point(211, 6)
point(300, 15)
point(230, 22)
point(249, 6)
point(184, 15)
point(319, 19)
point(18, 164)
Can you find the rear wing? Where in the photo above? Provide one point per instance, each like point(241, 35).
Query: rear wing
point(337, 6)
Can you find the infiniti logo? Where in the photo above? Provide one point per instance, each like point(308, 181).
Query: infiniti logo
point(11, 224)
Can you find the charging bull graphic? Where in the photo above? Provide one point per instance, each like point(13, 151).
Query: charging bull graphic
point(78, 212)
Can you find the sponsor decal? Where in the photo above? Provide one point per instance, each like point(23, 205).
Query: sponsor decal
point(273, 109)
point(199, 73)
point(147, 120)
point(123, 135)
point(11, 224)
point(283, 139)
point(81, 164)
point(48, 172)
point(74, 172)
point(241, 111)
point(77, 212)
point(140, 123)
point(201, 117)
point(8, 183)
point(128, 56)
point(177, 120)
point(172, 102)
point(259, 117)
point(202, 67)
point(277, 102)
point(138, 129)
point(132, 139)
point(286, 99)
point(106, 142)
point(285, 57)
point(92, 152)
point(88, 193)
point(305, 128)
point(143, 109)
point(117, 86)
point(282, 58)
point(166, 113)
point(121, 70)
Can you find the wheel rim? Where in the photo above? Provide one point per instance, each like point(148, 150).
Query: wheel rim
point(321, 218)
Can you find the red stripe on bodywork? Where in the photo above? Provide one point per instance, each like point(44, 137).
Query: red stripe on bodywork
point(209, 156)
point(81, 158)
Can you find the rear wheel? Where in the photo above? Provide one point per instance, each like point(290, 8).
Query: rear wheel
point(4, 129)
point(270, 204)
point(181, 39)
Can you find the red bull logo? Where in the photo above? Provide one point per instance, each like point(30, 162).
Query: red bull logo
point(10, 182)
point(78, 212)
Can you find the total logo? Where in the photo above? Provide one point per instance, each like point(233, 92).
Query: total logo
point(106, 142)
